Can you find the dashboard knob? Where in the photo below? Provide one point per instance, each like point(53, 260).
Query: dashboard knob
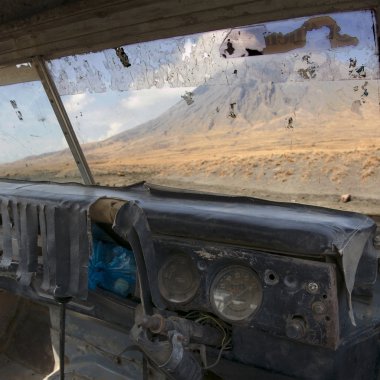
point(296, 328)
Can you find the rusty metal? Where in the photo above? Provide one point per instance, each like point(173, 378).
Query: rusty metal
point(312, 287)
point(318, 307)
point(64, 120)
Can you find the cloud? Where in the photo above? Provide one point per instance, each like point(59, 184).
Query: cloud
point(114, 129)
point(76, 103)
point(98, 116)
point(158, 98)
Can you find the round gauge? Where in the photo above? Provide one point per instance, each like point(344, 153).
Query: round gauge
point(236, 293)
point(178, 278)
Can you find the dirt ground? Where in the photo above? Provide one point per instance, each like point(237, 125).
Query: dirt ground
point(311, 177)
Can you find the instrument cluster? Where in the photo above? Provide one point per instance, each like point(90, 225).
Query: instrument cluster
point(286, 296)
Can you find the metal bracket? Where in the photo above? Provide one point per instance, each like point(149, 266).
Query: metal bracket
point(63, 119)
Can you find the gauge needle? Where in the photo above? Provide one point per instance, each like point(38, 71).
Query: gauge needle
point(231, 298)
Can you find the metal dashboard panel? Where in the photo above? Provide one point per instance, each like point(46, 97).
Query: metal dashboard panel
point(284, 298)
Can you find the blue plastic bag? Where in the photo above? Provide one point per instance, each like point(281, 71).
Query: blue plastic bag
point(111, 266)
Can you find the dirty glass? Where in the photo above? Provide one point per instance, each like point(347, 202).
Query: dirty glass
point(286, 110)
point(31, 141)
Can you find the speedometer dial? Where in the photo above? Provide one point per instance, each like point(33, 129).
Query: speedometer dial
point(236, 293)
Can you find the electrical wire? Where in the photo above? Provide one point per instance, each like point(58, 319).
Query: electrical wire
point(203, 318)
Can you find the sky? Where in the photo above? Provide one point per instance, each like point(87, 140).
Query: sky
point(112, 112)
point(103, 98)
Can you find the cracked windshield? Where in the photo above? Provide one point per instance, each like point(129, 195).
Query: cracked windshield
point(286, 111)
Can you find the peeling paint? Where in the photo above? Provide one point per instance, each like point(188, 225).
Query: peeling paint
point(122, 56)
point(290, 123)
point(365, 92)
point(355, 72)
point(310, 71)
point(361, 71)
point(213, 253)
point(15, 107)
point(230, 49)
point(280, 43)
point(191, 61)
point(205, 255)
point(244, 42)
point(232, 111)
point(252, 41)
point(188, 98)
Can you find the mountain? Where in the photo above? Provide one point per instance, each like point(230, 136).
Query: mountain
point(246, 107)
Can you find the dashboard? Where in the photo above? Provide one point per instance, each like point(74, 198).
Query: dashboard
point(285, 296)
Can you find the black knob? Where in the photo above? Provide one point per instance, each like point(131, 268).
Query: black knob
point(296, 328)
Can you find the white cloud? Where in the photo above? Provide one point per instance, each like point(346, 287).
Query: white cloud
point(152, 97)
point(144, 105)
point(113, 129)
point(76, 103)
point(98, 116)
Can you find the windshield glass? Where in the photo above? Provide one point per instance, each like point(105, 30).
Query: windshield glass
point(286, 110)
point(29, 132)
